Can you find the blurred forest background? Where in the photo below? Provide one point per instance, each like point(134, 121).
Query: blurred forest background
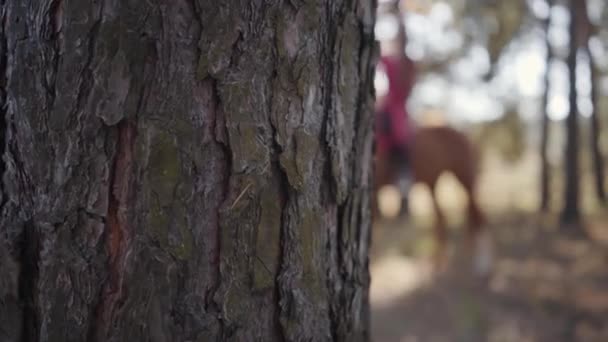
point(501, 72)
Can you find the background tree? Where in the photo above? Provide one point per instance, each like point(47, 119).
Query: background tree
point(545, 167)
point(571, 211)
point(197, 171)
point(589, 30)
point(598, 156)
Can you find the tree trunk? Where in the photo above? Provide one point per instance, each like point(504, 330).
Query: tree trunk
point(192, 171)
point(570, 211)
point(544, 138)
point(597, 157)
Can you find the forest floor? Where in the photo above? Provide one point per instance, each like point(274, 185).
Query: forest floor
point(544, 286)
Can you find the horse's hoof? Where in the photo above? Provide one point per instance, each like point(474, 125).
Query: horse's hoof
point(483, 258)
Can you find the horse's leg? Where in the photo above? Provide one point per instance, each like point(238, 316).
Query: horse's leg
point(404, 182)
point(476, 217)
point(481, 242)
point(440, 233)
point(478, 239)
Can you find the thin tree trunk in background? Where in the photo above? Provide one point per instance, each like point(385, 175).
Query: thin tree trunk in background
point(545, 167)
point(570, 211)
point(190, 171)
point(597, 157)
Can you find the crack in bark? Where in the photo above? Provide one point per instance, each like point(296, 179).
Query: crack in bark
point(3, 106)
point(28, 282)
point(284, 186)
point(218, 126)
point(235, 50)
point(327, 85)
point(52, 33)
point(56, 16)
point(362, 122)
point(117, 231)
point(284, 199)
point(366, 41)
point(327, 60)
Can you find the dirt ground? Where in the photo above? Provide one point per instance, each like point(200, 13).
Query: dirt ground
point(545, 285)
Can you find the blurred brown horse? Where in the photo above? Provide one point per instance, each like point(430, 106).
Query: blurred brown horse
point(433, 151)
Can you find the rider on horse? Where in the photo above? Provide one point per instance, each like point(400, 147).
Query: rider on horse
point(393, 131)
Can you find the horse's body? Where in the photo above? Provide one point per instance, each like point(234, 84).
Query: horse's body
point(431, 152)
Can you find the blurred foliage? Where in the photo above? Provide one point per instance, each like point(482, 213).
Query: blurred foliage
point(507, 17)
point(505, 135)
point(491, 23)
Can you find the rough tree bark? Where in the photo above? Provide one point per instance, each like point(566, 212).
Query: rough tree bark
point(570, 212)
point(194, 170)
